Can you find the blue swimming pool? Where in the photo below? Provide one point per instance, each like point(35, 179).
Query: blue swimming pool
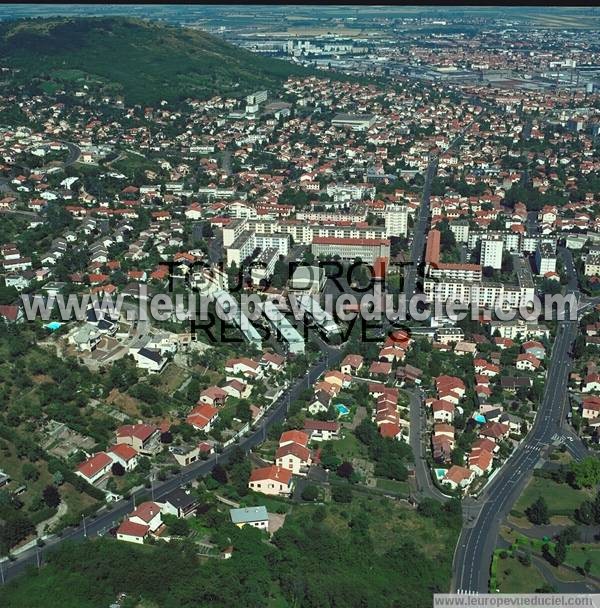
point(440, 473)
point(342, 409)
point(479, 418)
point(53, 325)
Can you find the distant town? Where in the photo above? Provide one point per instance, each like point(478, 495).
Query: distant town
point(414, 162)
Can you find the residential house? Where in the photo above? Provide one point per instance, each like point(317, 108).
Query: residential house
point(125, 455)
point(132, 532)
point(180, 502)
point(442, 410)
point(95, 467)
point(271, 480)
point(458, 477)
point(351, 364)
point(321, 430)
point(147, 514)
point(527, 362)
point(203, 417)
point(213, 395)
point(143, 438)
point(257, 517)
point(293, 456)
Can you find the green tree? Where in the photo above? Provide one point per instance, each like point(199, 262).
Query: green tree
point(310, 493)
point(219, 474)
point(587, 472)
point(341, 493)
point(51, 496)
point(30, 472)
point(537, 512)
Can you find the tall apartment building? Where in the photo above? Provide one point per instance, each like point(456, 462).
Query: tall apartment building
point(460, 229)
point(396, 220)
point(513, 241)
point(492, 247)
point(545, 258)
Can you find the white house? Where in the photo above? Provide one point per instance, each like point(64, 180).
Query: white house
point(257, 517)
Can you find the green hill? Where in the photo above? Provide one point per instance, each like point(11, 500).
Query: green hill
point(142, 61)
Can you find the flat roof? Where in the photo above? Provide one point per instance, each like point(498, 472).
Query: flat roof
point(249, 514)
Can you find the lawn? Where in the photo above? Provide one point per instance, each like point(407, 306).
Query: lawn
point(393, 486)
point(171, 379)
point(129, 164)
point(200, 530)
point(562, 499)
point(348, 446)
point(578, 554)
point(11, 464)
point(513, 577)
point(273, 504)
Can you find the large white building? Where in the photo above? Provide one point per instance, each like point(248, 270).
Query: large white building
point(545, 259)
point(368, 250)
point(357, 122)
point(592, 265)
point(460, 228)
point(492, 247)
point(248, 242)
point(396, 220)
point(302, 233)
point(482, 293)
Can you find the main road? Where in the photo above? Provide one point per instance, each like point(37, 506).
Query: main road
point(473, 555)
point(106, 519)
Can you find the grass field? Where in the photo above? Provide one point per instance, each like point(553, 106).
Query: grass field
point(578, 554)
point(562, 499)
point(172, 378)
point(389, 520)
point(391, 485)
point(513, 577)
point(129, 164)
point(348, 447)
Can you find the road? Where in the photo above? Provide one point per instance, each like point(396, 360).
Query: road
point(422, 221)
point(106, 519)
point(425, 485)
point(477, 541)
point(419, 231)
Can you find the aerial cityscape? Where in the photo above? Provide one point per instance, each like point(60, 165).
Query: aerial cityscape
point(299, 305)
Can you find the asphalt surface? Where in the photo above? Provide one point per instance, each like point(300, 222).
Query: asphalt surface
point(419, 231)
point(473, 555)
point(106, 519)
point(422, 221)
point(425, 485)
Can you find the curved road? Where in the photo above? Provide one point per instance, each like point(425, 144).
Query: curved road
point(425, 485)
point(106, 519)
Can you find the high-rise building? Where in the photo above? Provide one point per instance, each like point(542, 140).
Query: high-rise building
point(396, 220)
point(491, 251)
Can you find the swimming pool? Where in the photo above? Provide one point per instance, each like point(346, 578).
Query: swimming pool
point(342, 409)
point(440, 473)
point(479, 418)
point(53, 325)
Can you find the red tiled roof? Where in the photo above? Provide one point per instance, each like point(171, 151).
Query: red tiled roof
point(124, 451)
point(93, 465)
point(273, 473)
point(146, 511)
point(130, 528)
point(294, 436)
